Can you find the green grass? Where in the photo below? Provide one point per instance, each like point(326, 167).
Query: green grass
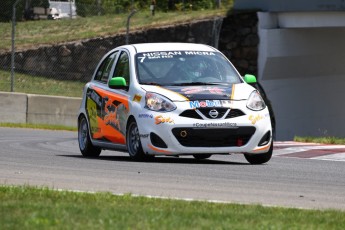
point(46, 32)
point(38, 126)
point(40, 85)
point(26, 207)
point(321, 140)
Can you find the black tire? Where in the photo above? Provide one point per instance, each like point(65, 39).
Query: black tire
point(202, 156)
point(261, 158)
point(85, 144)
point(133, 143)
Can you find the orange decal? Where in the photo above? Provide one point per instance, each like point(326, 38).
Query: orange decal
point(262, 148)
point(157, 149)
point(160, 119)
point(118, 97)
point(137, 98)
point(113, 110)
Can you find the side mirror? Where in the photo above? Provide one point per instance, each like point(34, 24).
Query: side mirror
point(117, 83)
point(250, 79)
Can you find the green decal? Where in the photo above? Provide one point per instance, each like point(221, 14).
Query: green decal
point(91, 108)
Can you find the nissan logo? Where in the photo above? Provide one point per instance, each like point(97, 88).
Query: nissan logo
point(213, 113)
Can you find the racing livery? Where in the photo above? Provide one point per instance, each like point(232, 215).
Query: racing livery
point(173, 99)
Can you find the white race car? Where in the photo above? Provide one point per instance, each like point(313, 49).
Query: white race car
point(173, 99)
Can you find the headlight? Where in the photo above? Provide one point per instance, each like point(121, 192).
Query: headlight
point(156, 102)
point(255, 101)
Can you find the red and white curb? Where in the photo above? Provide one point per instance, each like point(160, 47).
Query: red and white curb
point(309, 150)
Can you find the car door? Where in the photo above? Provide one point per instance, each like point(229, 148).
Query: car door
point(116, 105)
point(95, 98)
point(108, 108)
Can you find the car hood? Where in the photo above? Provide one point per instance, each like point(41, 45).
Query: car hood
point(239, 91)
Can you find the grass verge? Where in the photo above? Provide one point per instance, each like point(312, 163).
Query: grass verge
point(321, 140)
point(24, 83)
point(26, 207)
point(30, 34)
point(39, 126)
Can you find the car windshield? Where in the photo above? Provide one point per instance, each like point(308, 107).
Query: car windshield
point(185, 68)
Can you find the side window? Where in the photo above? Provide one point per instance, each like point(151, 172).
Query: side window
point(122, 67)
point(103, 71)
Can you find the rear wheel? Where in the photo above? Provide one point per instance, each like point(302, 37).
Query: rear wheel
point(133, 143)
point(261, 158)
point(202, 156)
point(85, 145)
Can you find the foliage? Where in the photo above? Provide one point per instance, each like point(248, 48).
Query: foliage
point(321, 140)
point(93, 7)
point(6, 11)
point(87, 8)
point(40, 3)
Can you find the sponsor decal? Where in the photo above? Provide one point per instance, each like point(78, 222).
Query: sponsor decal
point(107, 113)
point(255, 119)
point(145, 115)
point(162, 54)
point(92, 114)
point(160, 119)
point(137, 98)
point(171, 54)
point(210, 103)
point(207, 89)
point(144, 135)
point(96, 98)
point(206, 53)
point(215, 125)
point(111, 117)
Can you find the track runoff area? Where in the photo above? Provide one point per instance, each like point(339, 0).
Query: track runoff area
point(309, 151)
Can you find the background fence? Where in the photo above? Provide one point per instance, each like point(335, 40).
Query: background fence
point(58, 44)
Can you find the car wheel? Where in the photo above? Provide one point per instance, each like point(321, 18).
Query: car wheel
point(133, 143)
point(202, 156)
point(85, 145)
point(259, 158)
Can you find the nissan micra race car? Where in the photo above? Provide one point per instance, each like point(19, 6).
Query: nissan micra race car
point(173, 99)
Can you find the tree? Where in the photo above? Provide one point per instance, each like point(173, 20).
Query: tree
point(6, 11)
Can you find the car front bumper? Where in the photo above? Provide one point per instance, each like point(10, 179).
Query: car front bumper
point(171, 134)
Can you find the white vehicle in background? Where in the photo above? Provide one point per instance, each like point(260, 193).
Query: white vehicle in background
point(173, 99)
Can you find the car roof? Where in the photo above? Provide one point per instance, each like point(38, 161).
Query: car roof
point(171, 46)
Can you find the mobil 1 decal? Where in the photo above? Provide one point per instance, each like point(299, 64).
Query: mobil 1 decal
point(107, 114)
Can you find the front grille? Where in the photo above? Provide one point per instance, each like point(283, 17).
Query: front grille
point(235, 113)
point(206, 111)
point(192, 113)
point(194, 137)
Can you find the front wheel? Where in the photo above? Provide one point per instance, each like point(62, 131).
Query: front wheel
point(85, 145)
point(133, 143)
point(261, 158)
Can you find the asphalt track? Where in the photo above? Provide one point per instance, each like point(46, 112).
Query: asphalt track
point(295, 177)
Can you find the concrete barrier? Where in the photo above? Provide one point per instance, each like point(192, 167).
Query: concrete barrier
point(38, 109)
point(13, 107)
